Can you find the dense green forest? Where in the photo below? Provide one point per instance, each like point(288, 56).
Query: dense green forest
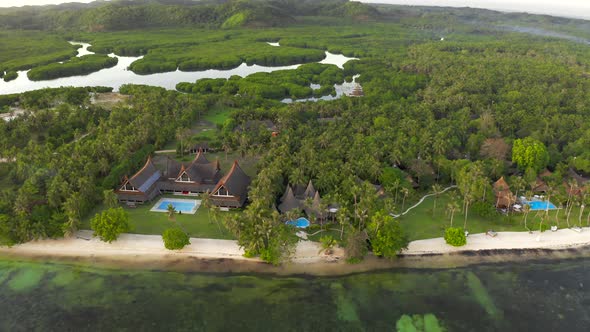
point(483, 102)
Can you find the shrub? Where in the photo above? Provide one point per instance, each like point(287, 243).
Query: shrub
point(10, 75)
point(455, 236)
point(175, 238)
point(110, 223)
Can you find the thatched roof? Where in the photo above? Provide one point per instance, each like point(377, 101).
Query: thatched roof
point(504, 197)
point(146, 176)
point(501, 185)
point(309, 191)
point(236, 181)
point(289, 201)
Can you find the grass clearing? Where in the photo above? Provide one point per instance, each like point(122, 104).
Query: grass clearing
point(424, 223)
point(218, 114)
point(143, 221)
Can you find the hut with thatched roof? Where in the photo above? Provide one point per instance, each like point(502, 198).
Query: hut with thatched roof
point(504, 197)
point(288, 201)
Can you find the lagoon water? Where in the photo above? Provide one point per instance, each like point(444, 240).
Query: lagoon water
point(118, 75)
point(533, 296)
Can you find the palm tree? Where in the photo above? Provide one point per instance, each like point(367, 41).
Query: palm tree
point(215, 212)
point(581, 212)
point(436, 188)
point(395, 187)
point(343, 218)
point(467, 201)
point(182, 134)
point(206, 201)
point(452, 207)
point(405, 191)
point(526, 209)
point(171, 211)
point(519, 183)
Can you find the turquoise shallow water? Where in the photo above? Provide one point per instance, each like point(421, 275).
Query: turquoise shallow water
point(552, 296)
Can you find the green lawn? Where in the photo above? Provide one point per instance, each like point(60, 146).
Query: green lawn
point(143, 221)
point(218, 114)
point(422, 223)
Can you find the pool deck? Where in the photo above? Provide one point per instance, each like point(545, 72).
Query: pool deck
point(197, 203)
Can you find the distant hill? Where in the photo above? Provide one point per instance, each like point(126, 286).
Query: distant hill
point(139, 14)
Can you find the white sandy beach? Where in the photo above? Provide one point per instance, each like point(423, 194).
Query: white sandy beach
point(560, 239)
point(134, 247)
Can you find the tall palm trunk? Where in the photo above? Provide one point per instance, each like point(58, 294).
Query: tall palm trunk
point(466, 211)
point(569, 211)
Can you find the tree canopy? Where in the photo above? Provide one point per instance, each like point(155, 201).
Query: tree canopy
point(110, 223)
point(175, 238)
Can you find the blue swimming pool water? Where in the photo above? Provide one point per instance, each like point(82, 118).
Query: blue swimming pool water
point(299, 223)
point(537, 205)
point(178, 206)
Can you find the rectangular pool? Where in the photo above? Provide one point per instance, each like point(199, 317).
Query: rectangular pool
point(188, 206)
point(541, 205)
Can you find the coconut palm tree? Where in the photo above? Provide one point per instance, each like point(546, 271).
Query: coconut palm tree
point(436, 188)
point(452, 207)
point(526, 209)
point(405, 192)
point(582, 206)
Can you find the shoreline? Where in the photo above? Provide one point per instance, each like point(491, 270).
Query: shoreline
point(147, 252)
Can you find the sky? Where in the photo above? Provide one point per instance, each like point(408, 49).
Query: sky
point(569, 8)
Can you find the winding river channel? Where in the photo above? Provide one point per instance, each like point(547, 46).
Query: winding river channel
point(118, 75)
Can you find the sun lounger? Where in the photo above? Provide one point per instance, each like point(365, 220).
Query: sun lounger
point(577, 229)
point(491, 233)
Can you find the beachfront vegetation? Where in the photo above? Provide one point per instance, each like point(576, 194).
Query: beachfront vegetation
point(480, 104)
point(387, 236)
point(110, 223)
point(455, 236)
point(175, 238)
point(75, 66)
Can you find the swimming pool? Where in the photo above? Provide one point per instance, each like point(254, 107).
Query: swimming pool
point(188, 206)
point(299, 222)
point(541, 205)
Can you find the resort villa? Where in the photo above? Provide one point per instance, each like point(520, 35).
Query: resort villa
point(199, 176)
point(304, 198)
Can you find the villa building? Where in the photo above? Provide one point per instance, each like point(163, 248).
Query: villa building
point(199, 176)
point(305, 198)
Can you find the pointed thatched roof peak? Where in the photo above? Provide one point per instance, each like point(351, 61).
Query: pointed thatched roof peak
point(309, 191)
point(501, 185)
point(289, 201)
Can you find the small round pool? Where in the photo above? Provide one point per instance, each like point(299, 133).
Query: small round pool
point(299, 222)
